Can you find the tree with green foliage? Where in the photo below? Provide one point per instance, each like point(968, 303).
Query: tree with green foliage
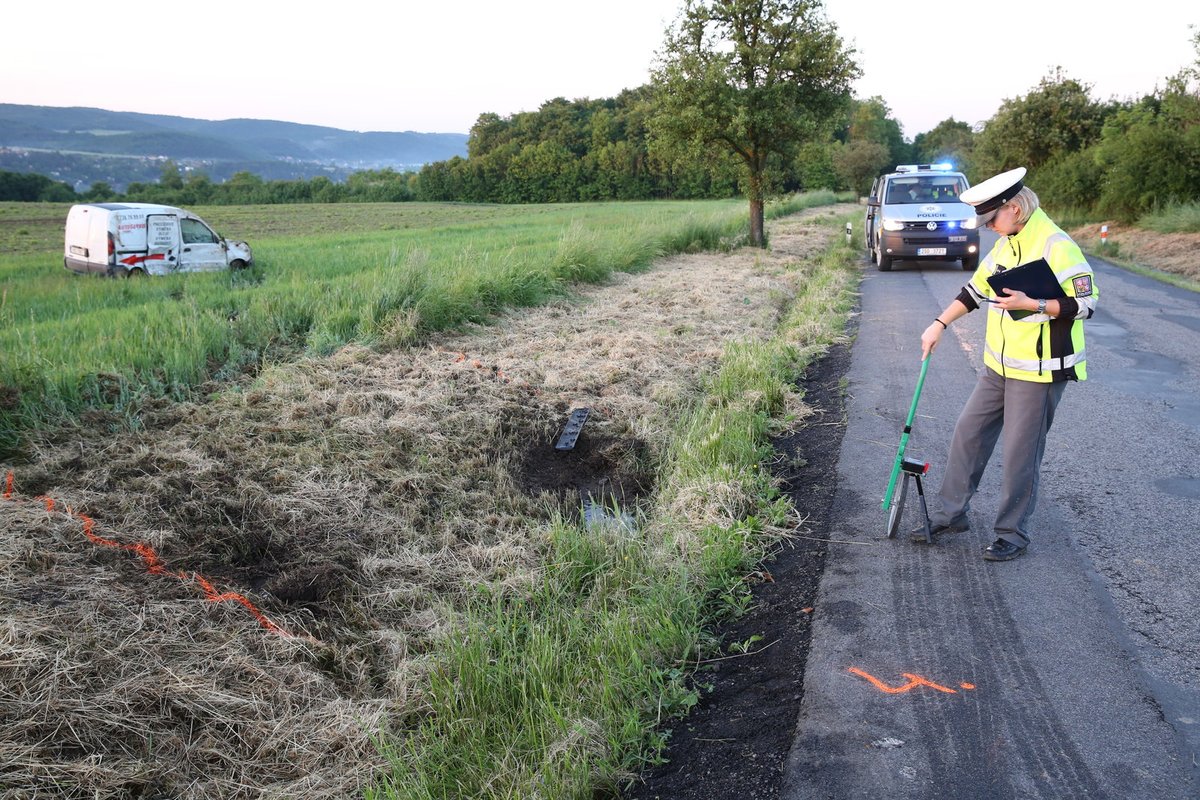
point(816, 168)
point(29, 187)
point(571, 150)
point(100, 192)
point(169, 177)
point(1071, 181)
point(949, 141)
point(1150, 153)
point(859, 162)
point(871, 121)
point(754, 78)
point(199, 190)
point(1058, 116)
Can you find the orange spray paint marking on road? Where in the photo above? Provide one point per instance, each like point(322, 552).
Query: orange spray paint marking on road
point(154, 565)
point(913, 682)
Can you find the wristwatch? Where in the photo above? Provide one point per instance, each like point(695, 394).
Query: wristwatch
point(1041, 306)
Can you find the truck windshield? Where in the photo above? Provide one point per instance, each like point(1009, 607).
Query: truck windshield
point(925, 189)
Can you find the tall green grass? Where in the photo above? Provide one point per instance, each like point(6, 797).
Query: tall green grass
point(1177, 218)
point(559, 691)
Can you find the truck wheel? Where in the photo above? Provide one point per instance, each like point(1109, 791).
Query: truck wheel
point(883, 262)
point(136, 272)
point(237, 263)
point(970, 263)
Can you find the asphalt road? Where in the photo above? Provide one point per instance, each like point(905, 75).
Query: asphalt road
point(1072, 672)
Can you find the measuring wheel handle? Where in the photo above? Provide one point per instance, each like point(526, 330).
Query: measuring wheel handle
point(899, 461)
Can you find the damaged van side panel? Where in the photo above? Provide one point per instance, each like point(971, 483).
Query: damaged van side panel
point(144, 238)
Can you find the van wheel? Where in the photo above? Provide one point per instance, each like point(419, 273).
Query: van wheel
point(237, 263)
point(970, 263)
point(136, 272)
point(883, 262)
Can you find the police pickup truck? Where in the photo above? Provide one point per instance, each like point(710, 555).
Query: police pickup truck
point(914, 213)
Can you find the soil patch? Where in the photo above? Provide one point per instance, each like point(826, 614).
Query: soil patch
point(598, 470)
point(735, 744)
point(1167, 252)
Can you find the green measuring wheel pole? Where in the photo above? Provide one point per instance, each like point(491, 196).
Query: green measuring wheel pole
point(912, 412)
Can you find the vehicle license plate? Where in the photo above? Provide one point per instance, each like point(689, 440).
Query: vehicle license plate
point(931, 251)
point(958, 238)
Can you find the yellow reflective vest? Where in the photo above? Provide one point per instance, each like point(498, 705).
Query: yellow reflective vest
point(1037, 347)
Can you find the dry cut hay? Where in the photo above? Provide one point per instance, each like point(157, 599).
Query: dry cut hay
point(115, 684)
point(1167, 252)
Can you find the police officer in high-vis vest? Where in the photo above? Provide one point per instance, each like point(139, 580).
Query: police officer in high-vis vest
point(1029, 357)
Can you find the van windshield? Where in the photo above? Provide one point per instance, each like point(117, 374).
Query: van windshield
point(925, 189)
point(196, 232)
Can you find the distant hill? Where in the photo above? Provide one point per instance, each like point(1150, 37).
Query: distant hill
point(81, 146)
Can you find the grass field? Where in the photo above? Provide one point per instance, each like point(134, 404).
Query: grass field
point(325, 275)
point(456, 625)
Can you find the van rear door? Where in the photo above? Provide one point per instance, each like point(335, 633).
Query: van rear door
point(162, 243)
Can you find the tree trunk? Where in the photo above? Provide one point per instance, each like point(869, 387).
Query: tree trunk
point(756, 210)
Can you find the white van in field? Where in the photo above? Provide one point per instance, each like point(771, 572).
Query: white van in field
point(146, 239)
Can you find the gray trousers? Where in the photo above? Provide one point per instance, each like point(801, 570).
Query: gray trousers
point(1023, 412)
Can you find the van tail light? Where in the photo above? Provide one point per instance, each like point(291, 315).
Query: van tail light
point(112, 248)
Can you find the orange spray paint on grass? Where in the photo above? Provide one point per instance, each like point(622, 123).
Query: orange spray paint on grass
point(153, 563)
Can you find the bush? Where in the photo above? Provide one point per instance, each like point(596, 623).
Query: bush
point(1151, 156)
point(31, 188)
point(1070, 180)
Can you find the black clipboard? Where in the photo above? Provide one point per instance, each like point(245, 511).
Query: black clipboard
point(1035, 279)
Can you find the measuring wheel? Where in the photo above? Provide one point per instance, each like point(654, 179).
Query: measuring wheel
point(913, 469)
point(897, 509)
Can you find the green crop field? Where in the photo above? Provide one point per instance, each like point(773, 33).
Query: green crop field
point(324, 275)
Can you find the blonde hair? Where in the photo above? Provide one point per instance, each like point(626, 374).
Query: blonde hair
point(1027, 203)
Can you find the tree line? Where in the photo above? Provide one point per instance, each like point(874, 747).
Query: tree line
point(678, 137)
point(1114, 158)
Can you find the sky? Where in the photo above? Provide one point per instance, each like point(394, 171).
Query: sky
point(436, 66)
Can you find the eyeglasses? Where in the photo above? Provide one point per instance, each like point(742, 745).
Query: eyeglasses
point(991, 220)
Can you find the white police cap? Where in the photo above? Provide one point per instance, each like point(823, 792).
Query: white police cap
point(989, 196)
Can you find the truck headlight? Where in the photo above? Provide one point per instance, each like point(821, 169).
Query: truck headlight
point(893, 225)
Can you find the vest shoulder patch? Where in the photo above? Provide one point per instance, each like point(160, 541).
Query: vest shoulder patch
point(1083, 286)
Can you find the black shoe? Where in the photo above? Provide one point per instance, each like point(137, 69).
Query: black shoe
point(1002, 550)
point(918, 534)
